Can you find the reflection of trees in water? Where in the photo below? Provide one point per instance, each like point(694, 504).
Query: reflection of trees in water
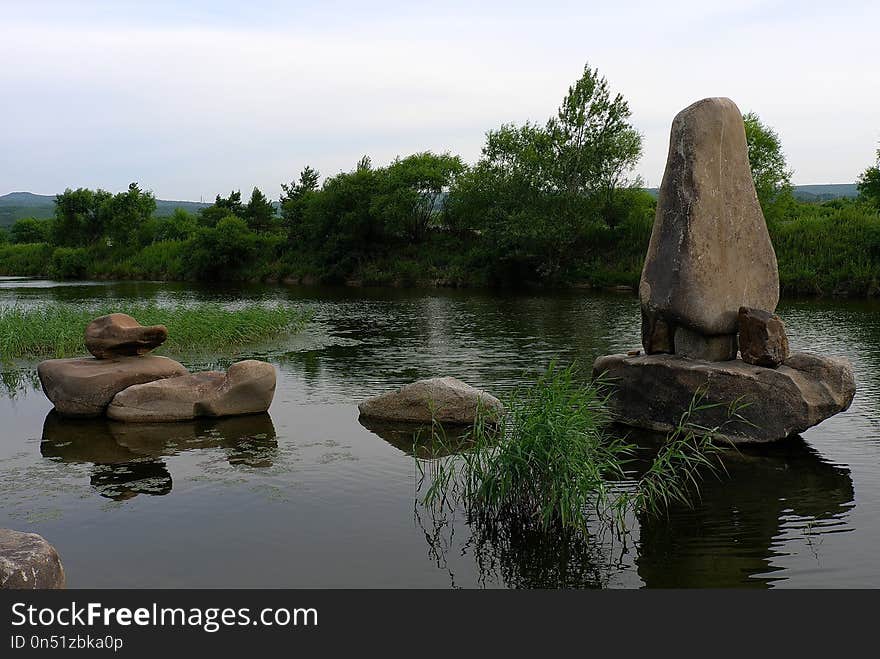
point(487, 340)
point(128, 458)
point(727, 538)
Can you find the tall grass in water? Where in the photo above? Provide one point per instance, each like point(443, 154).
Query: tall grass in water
point(57, 330)
point(555, 462)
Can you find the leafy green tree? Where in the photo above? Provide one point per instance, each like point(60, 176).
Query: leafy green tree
point(259, 212)
point(538, 194)
point(594, 146)
point(222, 207)
point(339, 227)
point(180, 225)
point(295, 197)
point(221, 252)
point(4, 236)
point(769, 168)
point(412, 190)
point(30, 230)
point(80, 217)
point(126, 213)
point(869, 183)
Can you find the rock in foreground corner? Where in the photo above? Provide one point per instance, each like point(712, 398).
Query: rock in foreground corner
point(446, 400)
point(27, 561)
point(653, 391)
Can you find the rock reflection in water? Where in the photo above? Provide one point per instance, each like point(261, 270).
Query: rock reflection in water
point(421, 440)
point(727, 538)
point(128, 459)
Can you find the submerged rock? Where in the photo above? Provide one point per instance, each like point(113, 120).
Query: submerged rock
point(762, 338)
point(85, 386)
point(246, 388)
point(653, 391)
point(27, 561)
point(710, 252)
point(120, 335)
point(446, 400)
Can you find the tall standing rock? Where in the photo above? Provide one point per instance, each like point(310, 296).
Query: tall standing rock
point(710, 252)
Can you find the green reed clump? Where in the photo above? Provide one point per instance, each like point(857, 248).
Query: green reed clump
point(57, 329)
point(554, 459)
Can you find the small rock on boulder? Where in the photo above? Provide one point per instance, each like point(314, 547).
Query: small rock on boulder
point(762, 338)
point(445, 400)
point(28, 562)
point(120, 335)
point(85, 386)
point(652, 392)
point(246, 388)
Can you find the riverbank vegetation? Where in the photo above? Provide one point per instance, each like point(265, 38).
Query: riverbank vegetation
point(551, 203)
point(57, 329)
point(556, 461)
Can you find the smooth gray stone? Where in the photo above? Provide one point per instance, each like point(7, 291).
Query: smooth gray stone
point(445, 400)
point(653, 391)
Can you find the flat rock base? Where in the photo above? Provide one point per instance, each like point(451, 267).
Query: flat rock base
point(27, 561)
point(653, 391)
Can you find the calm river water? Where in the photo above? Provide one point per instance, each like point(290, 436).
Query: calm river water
point(306, 496)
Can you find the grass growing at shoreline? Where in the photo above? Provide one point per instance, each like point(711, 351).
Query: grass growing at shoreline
point(554, 461)
point(56, 329)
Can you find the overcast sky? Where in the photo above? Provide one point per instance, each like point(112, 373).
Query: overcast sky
point(195, 98)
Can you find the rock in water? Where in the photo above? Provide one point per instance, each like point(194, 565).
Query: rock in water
point(171, 399)
point(85, 386)
point(246, 388)
point(653, 391)
point(27, 561)
point(710, 252)
point(762, 338)
point(446, 400)
point(120, 335)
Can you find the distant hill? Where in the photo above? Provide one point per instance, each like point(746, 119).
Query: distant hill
point(813, 193)
point(15, 205)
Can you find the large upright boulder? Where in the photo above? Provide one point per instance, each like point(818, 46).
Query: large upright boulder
point(85, 386)
point(710, 252)
point(120, 335)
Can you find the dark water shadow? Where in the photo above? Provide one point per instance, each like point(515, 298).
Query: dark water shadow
point(421, 441)
point(128, 458)
point(727, 538)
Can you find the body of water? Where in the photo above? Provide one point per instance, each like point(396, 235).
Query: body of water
point(307, 496)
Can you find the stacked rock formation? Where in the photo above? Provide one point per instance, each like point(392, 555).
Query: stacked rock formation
point(125, 382)
point(708, 290)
